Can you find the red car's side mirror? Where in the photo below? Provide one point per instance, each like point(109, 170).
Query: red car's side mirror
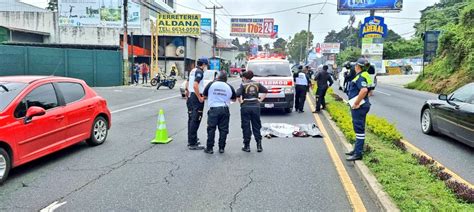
point(32, 112)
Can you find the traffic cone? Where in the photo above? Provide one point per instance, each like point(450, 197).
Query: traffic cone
point(161, 136)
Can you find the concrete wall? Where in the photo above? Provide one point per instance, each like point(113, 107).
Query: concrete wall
point(33, 21)
point(204, 46)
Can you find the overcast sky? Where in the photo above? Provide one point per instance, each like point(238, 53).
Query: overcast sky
point(290, 22)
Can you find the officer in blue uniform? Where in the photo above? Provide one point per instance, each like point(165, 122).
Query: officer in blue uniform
point(249, 98)
point(358, 90)
point(218, 94)
point(195, 103)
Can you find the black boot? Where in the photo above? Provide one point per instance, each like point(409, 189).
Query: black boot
point(209, 150)
point(354, 158)
point(259, 146)
point(246, 148)
point(350, 153)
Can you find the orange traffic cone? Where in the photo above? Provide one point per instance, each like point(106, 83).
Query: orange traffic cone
point(161, 136)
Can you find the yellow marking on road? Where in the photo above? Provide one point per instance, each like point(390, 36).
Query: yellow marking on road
point(453, 174)
point(349, 188)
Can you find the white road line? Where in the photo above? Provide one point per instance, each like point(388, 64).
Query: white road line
point(147, 103)
point(53, 206)
point(383, 92)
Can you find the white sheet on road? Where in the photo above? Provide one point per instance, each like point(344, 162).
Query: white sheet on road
point(283, 130)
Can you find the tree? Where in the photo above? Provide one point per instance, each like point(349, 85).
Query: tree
point(402, 49)
point(280, 43)
point(52, 5)
point(266, 47)
point(348, 36)
point(349, 54)
point(439, 15)
point(297, 48)
point(241, 56)
point(392, 36)
point(236, 42)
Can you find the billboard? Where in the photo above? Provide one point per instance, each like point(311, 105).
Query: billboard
point(373, 27)
point(347, 5)
point(97, 13)
point(252, 27)
point(330, 48)
point(372, 46)
point(206, 24)
point(179, 24)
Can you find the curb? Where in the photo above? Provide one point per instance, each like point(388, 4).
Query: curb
point(383, 200)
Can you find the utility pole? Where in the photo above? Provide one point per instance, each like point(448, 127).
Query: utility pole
point(309, 29)
point(126, 70)
point(214, 36)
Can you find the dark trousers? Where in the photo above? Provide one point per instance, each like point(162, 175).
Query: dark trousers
point(195, 109)
point(217, 117)
point(320, 97)
point(145, 78)
point(358, 122)
point(300, 96)
point(136, 77)
point(250, 122)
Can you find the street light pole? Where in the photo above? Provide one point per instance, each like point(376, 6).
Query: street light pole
point(307, 32)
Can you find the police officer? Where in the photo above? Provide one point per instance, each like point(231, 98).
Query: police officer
point(324, 81)
point(349, 76)
point(195, 103)
point(218, 94)
point(358, 89)
point(248, 94)
point(302, 83)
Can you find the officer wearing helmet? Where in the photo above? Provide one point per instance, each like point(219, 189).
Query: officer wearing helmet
point(249, 98)
point(195, 102)
point(358, 93)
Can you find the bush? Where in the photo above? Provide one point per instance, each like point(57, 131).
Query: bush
point(382, 128)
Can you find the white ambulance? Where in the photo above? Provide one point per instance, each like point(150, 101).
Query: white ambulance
point(275, 74)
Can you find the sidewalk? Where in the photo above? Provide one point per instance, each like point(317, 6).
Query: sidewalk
point(396, 80)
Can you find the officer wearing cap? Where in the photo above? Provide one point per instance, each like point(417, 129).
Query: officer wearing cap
point(358, 90)
point(302, 83)
point(218, 94)
point(195, 103)
point(324, 81)
point(249, 98)
point(349, 76)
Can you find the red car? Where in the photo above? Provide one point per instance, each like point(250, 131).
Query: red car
point(40, 115)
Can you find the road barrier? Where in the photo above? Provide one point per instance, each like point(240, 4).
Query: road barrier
point(161, 135)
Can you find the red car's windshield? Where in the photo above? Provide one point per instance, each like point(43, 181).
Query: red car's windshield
point(8, 91)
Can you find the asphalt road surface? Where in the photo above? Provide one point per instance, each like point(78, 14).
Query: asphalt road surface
point(403, 107)
point(127, 173)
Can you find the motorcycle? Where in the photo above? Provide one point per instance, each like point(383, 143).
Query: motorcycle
point(169, 82)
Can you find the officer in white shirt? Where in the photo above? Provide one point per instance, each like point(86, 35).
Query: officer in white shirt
point(218, 94)
point(302, 83)
point(195, 103)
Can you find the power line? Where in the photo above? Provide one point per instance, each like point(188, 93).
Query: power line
point(320, 10)
point(278, 11)
point(402, 18)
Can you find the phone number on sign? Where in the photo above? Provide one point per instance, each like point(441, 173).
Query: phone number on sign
point(179, 30)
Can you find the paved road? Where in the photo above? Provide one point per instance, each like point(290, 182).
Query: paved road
point(129, 173)
point(402, 106)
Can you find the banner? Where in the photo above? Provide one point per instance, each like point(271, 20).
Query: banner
point(330, 48)
point(252, 27)
point(369, 5)
point(206, 24)
point(372, 46)
point(179, 24)
point(97, 13)
point(373, 27)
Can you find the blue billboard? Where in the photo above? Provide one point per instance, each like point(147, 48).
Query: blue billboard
point(373, 27)
point(206, 24)
point(348, 5)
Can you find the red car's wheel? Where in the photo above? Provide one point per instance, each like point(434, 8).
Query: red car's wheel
point(99, 132)
point(5, 165)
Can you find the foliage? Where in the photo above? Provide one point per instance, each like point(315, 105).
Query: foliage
point(402, 48)
point(349, 54)
point(279, 46)
point(298, 45)
point(52, 5)
point(454, 65)
point(241, 56)
point(413, 187)
point(347, 37)
point(440, 14)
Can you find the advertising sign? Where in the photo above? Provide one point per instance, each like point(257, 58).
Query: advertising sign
point(373, 27)
point(430, 39)
point(275, 31)
point(224, 43)
point(330, 48)
point(206, 24)
point(252, 27)
point(214, 64)
point(369, 5)
point(179, 24)
point(97, 13)
point(372, 46)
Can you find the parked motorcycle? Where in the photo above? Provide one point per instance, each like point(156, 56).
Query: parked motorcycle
point(169, 82)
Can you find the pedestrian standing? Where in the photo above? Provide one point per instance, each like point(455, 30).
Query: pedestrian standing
point(195, 103)
point(302, 83)
point(250, 99)
point(218, 94)
point(324, 81)
point(358, 94)
point(145, 71)
point(349, 77)
point(136, 73)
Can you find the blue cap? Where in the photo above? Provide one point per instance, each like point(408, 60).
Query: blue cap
point(361, 62)
point(203, 61)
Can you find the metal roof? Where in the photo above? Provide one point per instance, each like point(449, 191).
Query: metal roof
point(17, 6)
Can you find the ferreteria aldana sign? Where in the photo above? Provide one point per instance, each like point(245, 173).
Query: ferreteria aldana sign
point(179, 24)
point(373, 27)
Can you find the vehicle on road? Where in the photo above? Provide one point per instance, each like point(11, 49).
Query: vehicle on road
point(40, 115)
point(236, 71)
point(169, 82)
point(451, 115)
point(275, 74)
point(209, 76)
point(182, 88)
